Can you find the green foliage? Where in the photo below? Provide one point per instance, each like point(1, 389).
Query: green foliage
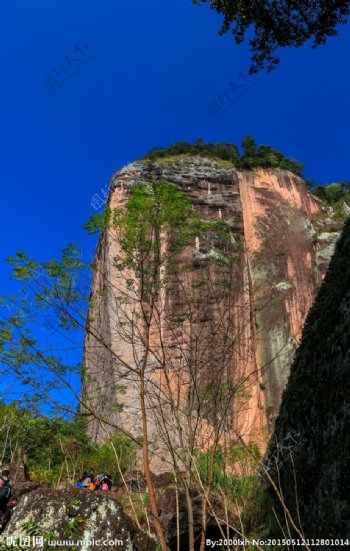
point(75, 527)
point(49, 305)
point(274, 25)
point(253, 156)
point(153, 212)
point(31, 528)
point(264, 156)
point(335, 195)
point(102, 458)
point(234, 457)
point(332, 193)
point(223, 151)
point(98, 222)
point(51, 445)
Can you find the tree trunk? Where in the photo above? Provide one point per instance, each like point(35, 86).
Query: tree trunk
point(146, 466)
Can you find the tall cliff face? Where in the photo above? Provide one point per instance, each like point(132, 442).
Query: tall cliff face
point(312, 429)
point(284, 237)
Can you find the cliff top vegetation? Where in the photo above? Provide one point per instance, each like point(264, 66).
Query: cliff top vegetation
point(251, 155)
point(335, 195)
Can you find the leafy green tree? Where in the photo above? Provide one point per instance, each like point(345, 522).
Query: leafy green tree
point(334, 194)
point(252, 156)
point(149, 233)
point(249, 157)
point(156, 214)
point(224, 151)
point(53, 447)
point(279, 24)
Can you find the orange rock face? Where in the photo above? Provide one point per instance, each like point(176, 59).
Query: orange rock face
point(246, 336)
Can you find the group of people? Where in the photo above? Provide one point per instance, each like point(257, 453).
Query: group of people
point(101, 481)
point(8, 502)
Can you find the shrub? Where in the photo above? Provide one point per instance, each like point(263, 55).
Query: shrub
point(252, 156)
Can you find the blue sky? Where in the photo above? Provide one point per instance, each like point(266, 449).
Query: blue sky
point(155, 65)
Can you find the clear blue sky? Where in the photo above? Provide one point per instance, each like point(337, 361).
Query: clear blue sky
point(157, 65)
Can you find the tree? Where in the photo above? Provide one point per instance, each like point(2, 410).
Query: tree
point(175, 295)
point(180, 359)
point(177, 349)
point(335, 194)
point(253, 156)
point(249, 158)
point(279, 24)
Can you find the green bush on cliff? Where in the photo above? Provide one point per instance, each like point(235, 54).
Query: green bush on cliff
point(224, 151)
point(253, 156)
point(332, 193)
point(335, 195)
point(265, 156)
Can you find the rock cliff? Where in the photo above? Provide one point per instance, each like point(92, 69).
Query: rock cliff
point(284, 238)
point(310, 447)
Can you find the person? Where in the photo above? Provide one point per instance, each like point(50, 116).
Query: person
point(7, 514)
point(105, 484)
point(86, 481)
point(5, 489)
point(87, 478)
point(69, 482)
point(109, 482)
point(98, 480)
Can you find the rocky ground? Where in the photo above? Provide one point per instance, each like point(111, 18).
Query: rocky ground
point(70, 515)
point(73, 515)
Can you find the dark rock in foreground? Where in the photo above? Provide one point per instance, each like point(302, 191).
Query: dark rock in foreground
point(313, 428)
point(74, 515)
point(21, 482)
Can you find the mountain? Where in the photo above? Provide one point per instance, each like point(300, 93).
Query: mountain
point(282, 238)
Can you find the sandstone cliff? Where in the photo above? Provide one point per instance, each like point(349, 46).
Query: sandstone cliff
point(284, 238)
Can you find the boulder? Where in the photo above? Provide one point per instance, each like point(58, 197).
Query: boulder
point(75, 515)
point(167, 513)
point(21, 482)
point(18, 472)
point(135, 480)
